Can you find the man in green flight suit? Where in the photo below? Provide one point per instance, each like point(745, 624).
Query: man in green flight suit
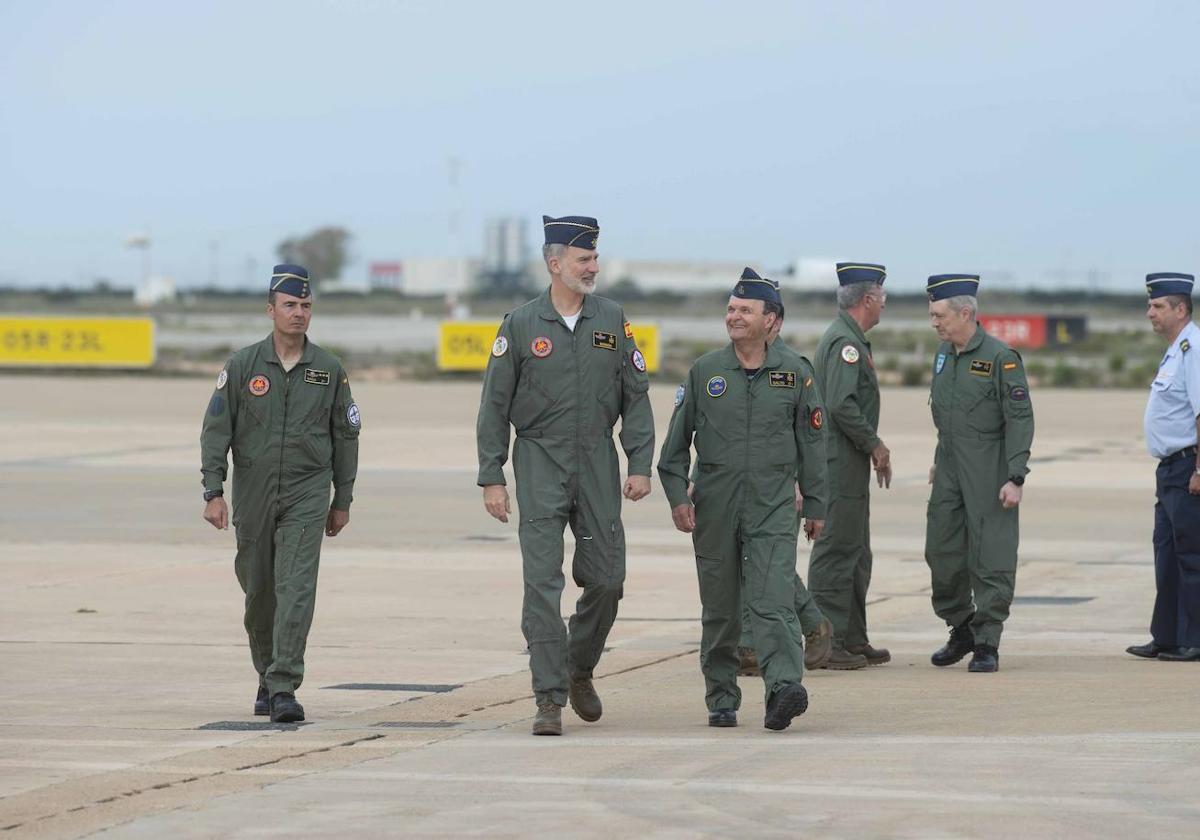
point(839, 568)
point(755, 438)
point(564, 369)
point(984, 420)
point(817, 629)
point(284, 406)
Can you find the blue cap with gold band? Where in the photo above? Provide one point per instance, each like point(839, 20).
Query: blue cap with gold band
point(850, 273)
point(942, 286)
point(291, 280)
point(752, 287)
point(577, 231)
point(1169, 283)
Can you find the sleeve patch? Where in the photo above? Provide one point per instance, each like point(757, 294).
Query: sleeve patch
point(499, 346)
point(816, 419)
point(628, 330)
point(352, 415)
point(216, 406)
point(679, 394)
point(1018, 394)
point(222, 378)
point(850, 354)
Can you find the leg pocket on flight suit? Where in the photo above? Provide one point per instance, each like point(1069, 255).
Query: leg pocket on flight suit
point(769, 570)
point(716, 581)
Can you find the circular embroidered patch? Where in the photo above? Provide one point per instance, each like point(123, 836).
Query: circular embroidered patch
point(541, 347)
point(715, 386)
point(816, 419)
point(499, 346)
point(259, 385)
point(679, 393)
point(222, 378)
point(352, 415)
point(850, 353)
point(639, 361)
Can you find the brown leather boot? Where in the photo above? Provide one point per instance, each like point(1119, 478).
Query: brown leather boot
point(748, 663)
point(584, 700)
point(818, 645)
point(875, 656)
point(841, 659)
point(548, 720)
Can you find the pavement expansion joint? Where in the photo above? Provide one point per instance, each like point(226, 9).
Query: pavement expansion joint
point(434, 688)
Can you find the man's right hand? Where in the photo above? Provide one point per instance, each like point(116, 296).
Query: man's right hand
point(881, 457)
point(216, 513)
point(685, 517)
point(495, 501)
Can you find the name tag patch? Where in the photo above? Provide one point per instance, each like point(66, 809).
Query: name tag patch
point(981, 368)
point(606, 340)
point(783, 379)
point(316, 377)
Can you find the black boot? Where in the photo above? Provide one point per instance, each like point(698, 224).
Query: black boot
point(285, 709)
point(262, 703)
point(985, 661)
point(722, 717)
point(962, 642)
point(788, 702)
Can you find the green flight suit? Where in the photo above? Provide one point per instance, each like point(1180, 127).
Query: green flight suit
point(807, 611)
point(984, 419)
point(293, 433)
point(754, 437)
point(563, 391)
point(839, 568)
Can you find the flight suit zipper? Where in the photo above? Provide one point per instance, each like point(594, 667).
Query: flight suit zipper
point(287, 383)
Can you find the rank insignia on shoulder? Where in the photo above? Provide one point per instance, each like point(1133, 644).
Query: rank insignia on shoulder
point(782, 379)
point(715, 386)
point(316, 377)
point(259, 385)
point(816, 419)
point(222, 378)
point(679, 394)
point(639, 361)
point(628, 330)
point(850, 354)
point(1009, 366)
point(604, 340)
point(1184, 346)
point(541, 347)
point(808, 382)
point(981, 368)
point(939, 364)
point(499, 347)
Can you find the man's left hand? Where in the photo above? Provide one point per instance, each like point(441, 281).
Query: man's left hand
point(1010, 495)
point(1194, 484)
point(336, 521)
point(813, 528)
point(637, 487)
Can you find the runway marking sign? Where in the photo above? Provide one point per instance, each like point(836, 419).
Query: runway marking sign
point(76, 342)
point(468, 345)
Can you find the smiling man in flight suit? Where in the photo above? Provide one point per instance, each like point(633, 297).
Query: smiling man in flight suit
point(564, 369)
point(284, 406)
point(984, 421)
point(755, 437)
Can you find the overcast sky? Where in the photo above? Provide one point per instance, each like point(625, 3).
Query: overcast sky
point(1021, 137)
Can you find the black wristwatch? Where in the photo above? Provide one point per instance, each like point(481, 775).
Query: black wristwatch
point(209, 495)
point(1018, 480)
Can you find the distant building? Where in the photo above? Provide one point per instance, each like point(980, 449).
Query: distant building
point(505, 255)
point(686, 276)
point(155, 290)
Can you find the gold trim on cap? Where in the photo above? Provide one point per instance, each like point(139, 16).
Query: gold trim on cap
point(974, 280)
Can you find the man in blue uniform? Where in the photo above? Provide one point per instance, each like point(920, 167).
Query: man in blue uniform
point(1171, 436)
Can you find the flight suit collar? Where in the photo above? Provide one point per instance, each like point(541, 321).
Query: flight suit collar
point(269, 354)
point(975, 341)
point(730, 360)
point(547, 312)
point(852, 325)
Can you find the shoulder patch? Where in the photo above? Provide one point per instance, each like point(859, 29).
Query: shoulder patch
point(222, 378)
point(638, 360)
point(816, 418)
point(850, 354)
point(981, 368)
point(939, 364)
point(499, 347)
point(1018, 394)
point(679, 394)
point(628, 330)
point(352, 415)
point(782, 379)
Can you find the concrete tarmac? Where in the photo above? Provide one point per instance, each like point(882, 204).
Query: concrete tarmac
point(126, 684)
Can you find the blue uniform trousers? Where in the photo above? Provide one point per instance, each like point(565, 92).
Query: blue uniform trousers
point(1176, 621)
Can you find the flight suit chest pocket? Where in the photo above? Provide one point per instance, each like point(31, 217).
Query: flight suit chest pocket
point(981, 409)
point(316, 437)
point(531, 400)
point(712, 444)
point(253, 430)
point(609, 395)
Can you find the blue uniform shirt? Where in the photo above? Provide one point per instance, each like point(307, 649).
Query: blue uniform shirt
point(1175, 396)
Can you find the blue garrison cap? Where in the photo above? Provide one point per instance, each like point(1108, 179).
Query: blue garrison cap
point(579, 231)
point(851, 273)
point(752, 287)
point(291, 280)
point(1169, 283)
point(942, 286)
